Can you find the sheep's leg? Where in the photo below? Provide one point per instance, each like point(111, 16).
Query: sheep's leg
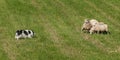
point(98, 32)
point(106, 32)
point(88, 31)
point(91, 31)
point(82, 29)
point(95, 32)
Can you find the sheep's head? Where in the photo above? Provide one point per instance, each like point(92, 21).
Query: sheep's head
point(87, 24)
point(86, 21)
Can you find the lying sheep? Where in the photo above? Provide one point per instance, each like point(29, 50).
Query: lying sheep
point(99, 28)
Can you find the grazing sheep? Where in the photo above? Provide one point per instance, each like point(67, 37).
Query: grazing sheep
point(99, 28)
point(86, 26)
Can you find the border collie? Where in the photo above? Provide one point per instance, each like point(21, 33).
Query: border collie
point(24, 34)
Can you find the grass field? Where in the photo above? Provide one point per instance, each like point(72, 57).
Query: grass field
point(57, 24)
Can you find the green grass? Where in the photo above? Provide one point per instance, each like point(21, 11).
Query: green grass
point(57, 24)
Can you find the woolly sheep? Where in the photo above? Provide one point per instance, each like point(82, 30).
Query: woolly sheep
point(100, 27)
point(86, 26)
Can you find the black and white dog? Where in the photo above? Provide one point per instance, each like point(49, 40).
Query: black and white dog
point(24, 34)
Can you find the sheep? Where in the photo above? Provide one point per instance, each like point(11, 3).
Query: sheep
point(86, 25)
point(100, 27)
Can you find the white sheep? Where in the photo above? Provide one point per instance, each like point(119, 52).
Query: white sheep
point(100, 27)
point(86, 25)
